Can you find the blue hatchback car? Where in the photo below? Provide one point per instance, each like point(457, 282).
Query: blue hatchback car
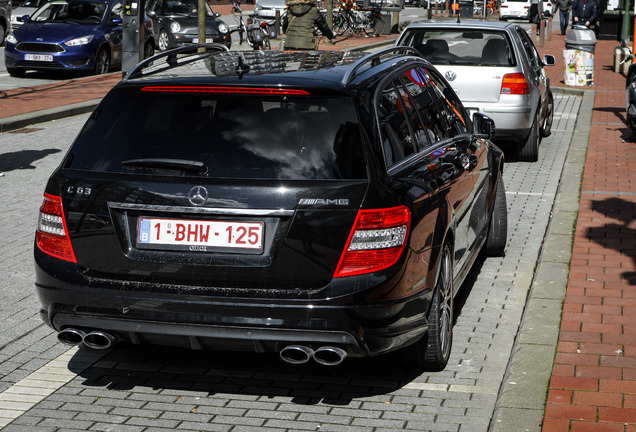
point(68, 35)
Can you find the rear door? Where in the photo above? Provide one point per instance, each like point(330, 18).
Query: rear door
point(206, 189)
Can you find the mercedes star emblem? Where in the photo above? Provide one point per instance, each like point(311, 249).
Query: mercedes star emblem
point(198, 195)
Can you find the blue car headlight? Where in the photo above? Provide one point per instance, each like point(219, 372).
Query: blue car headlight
point(84, 40)
point(11, 39)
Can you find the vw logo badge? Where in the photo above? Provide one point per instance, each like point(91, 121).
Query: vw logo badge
point(198, 195)
point(450, 75)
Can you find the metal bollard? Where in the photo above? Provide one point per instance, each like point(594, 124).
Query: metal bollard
point(533, 33)
point(548, 33)
point(541, 33)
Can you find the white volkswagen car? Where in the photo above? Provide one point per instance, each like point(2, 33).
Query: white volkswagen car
point(520, 9)
point(495, 69)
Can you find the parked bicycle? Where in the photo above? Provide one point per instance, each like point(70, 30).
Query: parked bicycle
point(255, 33)
point(353, 20)
point(479, 8)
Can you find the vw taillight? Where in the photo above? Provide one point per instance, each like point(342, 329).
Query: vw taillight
point(376, 241)
point(52, 234)
point(515, 83)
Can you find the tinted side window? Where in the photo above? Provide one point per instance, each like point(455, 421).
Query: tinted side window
point(529, 48)
point(397, 139)
point(426, 127)
point(452, 111)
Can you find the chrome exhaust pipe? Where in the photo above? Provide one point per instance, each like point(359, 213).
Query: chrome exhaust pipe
point(99, 340)
point(330, 355)
point(296, 354)
point(71, 336)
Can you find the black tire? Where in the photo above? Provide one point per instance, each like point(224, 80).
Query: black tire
point(379, 26)
point(433, 350)
point(149, 50)
point(369, 29)
point(3, 34)
point(546, 126)
point(498, 229)
point(16, 72)
point(164, 40)
point(102, 62)
point(528, 150)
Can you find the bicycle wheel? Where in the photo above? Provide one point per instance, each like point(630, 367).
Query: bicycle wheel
point(375, 27)
point(340, 25)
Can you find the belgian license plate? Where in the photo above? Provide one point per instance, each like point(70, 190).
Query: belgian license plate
point(196, 235)
point(207, 40)
point(39, 57)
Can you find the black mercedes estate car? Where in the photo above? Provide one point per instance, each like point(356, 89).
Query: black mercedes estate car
point(318, 205)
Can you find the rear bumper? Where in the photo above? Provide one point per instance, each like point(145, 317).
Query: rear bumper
point(238, 324)
point(514, 14)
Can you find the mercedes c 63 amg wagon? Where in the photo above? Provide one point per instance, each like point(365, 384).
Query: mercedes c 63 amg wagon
point(318, 205)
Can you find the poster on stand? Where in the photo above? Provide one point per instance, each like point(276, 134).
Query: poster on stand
point(579, 68)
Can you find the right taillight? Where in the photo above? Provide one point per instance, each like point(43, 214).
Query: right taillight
point(52, 234)
point(515, 83)
point(376, 241)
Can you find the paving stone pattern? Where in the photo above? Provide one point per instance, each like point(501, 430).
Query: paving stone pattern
point(157, 388)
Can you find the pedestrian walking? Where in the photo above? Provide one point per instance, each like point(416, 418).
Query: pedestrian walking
point(584, 12)
point(564, 7)
point(301, 18)
point(536, 9)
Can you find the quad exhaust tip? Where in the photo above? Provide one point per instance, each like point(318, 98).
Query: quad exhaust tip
point(301, 354)
point(95, 339)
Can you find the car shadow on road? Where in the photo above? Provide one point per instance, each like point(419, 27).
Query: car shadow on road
point(224, 374)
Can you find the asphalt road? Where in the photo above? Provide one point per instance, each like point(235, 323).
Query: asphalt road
point(44, 386)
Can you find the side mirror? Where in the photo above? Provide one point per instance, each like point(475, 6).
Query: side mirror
point(151, 13)
point(23, 18)
point(115, 21)
point(549, 60)
point(217, 14)
point(483, 126)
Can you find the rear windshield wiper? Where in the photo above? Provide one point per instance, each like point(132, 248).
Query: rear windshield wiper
point(180, 164)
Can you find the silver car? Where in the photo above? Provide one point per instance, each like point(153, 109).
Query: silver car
point(25, 9)
point(495, 69)
point(266, 9)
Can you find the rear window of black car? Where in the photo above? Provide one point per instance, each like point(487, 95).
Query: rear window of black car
point(231, 136)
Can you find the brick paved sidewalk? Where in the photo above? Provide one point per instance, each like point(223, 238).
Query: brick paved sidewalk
point(593, 385)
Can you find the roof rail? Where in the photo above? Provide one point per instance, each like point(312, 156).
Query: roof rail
point(374, 59)
point(172, 58)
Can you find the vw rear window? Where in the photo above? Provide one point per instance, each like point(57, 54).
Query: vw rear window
point(232, 136)
point(465, 47)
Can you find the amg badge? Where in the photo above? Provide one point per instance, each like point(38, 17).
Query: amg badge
point(321, 201)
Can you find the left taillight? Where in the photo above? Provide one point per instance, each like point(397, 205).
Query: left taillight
point(376, 242)
point(52, 234)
